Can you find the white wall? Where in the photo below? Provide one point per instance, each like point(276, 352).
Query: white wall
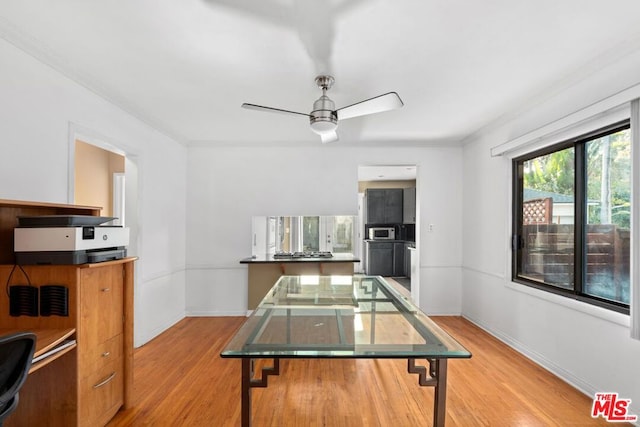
point(588, 346)
point(221, 188)
point(37, 108)
point(229, 185)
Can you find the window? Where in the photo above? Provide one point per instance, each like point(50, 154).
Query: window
point(572, 206)
point(310, 233)
point(273, 234)
point(328, 233)
point(343, 234)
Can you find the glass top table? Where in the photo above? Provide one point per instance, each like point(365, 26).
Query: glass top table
point(341, 317)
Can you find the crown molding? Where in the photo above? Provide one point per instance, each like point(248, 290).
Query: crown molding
point(43, 53)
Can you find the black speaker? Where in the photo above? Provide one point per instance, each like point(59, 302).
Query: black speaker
point(23, 300)
point(54, 300)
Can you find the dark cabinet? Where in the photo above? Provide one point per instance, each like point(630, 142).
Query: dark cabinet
point(398, 259)
point(409, 206)
point(384, 205)
point(407, 259)
point(386, 259)
point(380, 259)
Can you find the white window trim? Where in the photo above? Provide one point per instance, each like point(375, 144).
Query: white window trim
point(624, 105)
point(580, 306)
point(634, 302)
point(574, 130)
point(578, 123)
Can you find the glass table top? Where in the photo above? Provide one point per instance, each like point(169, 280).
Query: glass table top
point(340, 316)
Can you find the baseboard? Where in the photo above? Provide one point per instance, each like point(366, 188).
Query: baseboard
point(158, 330)
point(209, 313)
point(540, 360)
point(583, 386)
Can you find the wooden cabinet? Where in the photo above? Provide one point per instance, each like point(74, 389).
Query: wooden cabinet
point(88, 383)
point(384, 205)
point(98, 374)
point(100, 395)
point(100, 337)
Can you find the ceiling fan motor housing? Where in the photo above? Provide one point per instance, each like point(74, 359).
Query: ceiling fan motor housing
point(323, 118)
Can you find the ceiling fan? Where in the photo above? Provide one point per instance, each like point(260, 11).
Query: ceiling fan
point(324, 116)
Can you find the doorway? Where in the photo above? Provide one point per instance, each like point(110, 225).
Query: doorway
point(388, 216)
point(102, 174)
point(99, 179)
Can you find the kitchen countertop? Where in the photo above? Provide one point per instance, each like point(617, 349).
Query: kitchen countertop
point(256, 259)
point(389, 241)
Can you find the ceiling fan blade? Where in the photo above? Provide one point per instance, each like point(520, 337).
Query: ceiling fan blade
point(329, 137)
point(378, 104)
point(271, 109)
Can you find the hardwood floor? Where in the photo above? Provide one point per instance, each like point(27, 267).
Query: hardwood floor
point(180, 380)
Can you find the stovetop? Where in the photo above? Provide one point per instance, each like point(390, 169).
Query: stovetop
point(305, 254)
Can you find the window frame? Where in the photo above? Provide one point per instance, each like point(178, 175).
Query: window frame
point(580, 217)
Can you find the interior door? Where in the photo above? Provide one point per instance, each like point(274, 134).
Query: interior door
point(338, 234)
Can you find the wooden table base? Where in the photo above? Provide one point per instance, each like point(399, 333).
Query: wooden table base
point(435, 377)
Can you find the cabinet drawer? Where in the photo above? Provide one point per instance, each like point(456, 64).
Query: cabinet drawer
point(93, 358)
point(101, 305)
point(101, 394)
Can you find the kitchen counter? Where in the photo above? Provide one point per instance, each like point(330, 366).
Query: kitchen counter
point(390, 241)
point(268, 258)
point(265, 270)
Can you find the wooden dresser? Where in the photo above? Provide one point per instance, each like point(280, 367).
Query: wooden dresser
point(89, 381)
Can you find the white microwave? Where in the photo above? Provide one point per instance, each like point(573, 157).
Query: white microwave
point(382, 233)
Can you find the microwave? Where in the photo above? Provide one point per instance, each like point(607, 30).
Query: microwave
point(382, 233)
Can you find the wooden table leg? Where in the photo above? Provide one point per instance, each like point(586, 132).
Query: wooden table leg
point(440, 395)
point(248, 382)
point(246, 392)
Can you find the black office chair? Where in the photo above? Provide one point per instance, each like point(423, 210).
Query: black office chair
point(16, 354)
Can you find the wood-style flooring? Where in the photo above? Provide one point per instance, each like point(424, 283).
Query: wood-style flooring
point(181, 380)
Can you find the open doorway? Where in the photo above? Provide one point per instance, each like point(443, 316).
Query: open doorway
point(387, 223)
point(101, 174)
point(99, 179)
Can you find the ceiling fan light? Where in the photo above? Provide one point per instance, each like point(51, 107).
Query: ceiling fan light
point(322, 126)
point(323, 118)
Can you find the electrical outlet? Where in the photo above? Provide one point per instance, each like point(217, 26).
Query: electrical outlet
point(430, 228)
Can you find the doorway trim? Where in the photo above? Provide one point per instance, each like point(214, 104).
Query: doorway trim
point(415, 175)
point(90, 136)
point(78, 132)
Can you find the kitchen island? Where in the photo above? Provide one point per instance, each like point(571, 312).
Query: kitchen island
point(265, 270)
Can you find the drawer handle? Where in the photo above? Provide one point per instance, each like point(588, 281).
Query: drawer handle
point(106, 354)
point(105, 382)
point(105, 289)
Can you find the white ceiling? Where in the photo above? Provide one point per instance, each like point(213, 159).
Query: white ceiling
point(185, 67)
